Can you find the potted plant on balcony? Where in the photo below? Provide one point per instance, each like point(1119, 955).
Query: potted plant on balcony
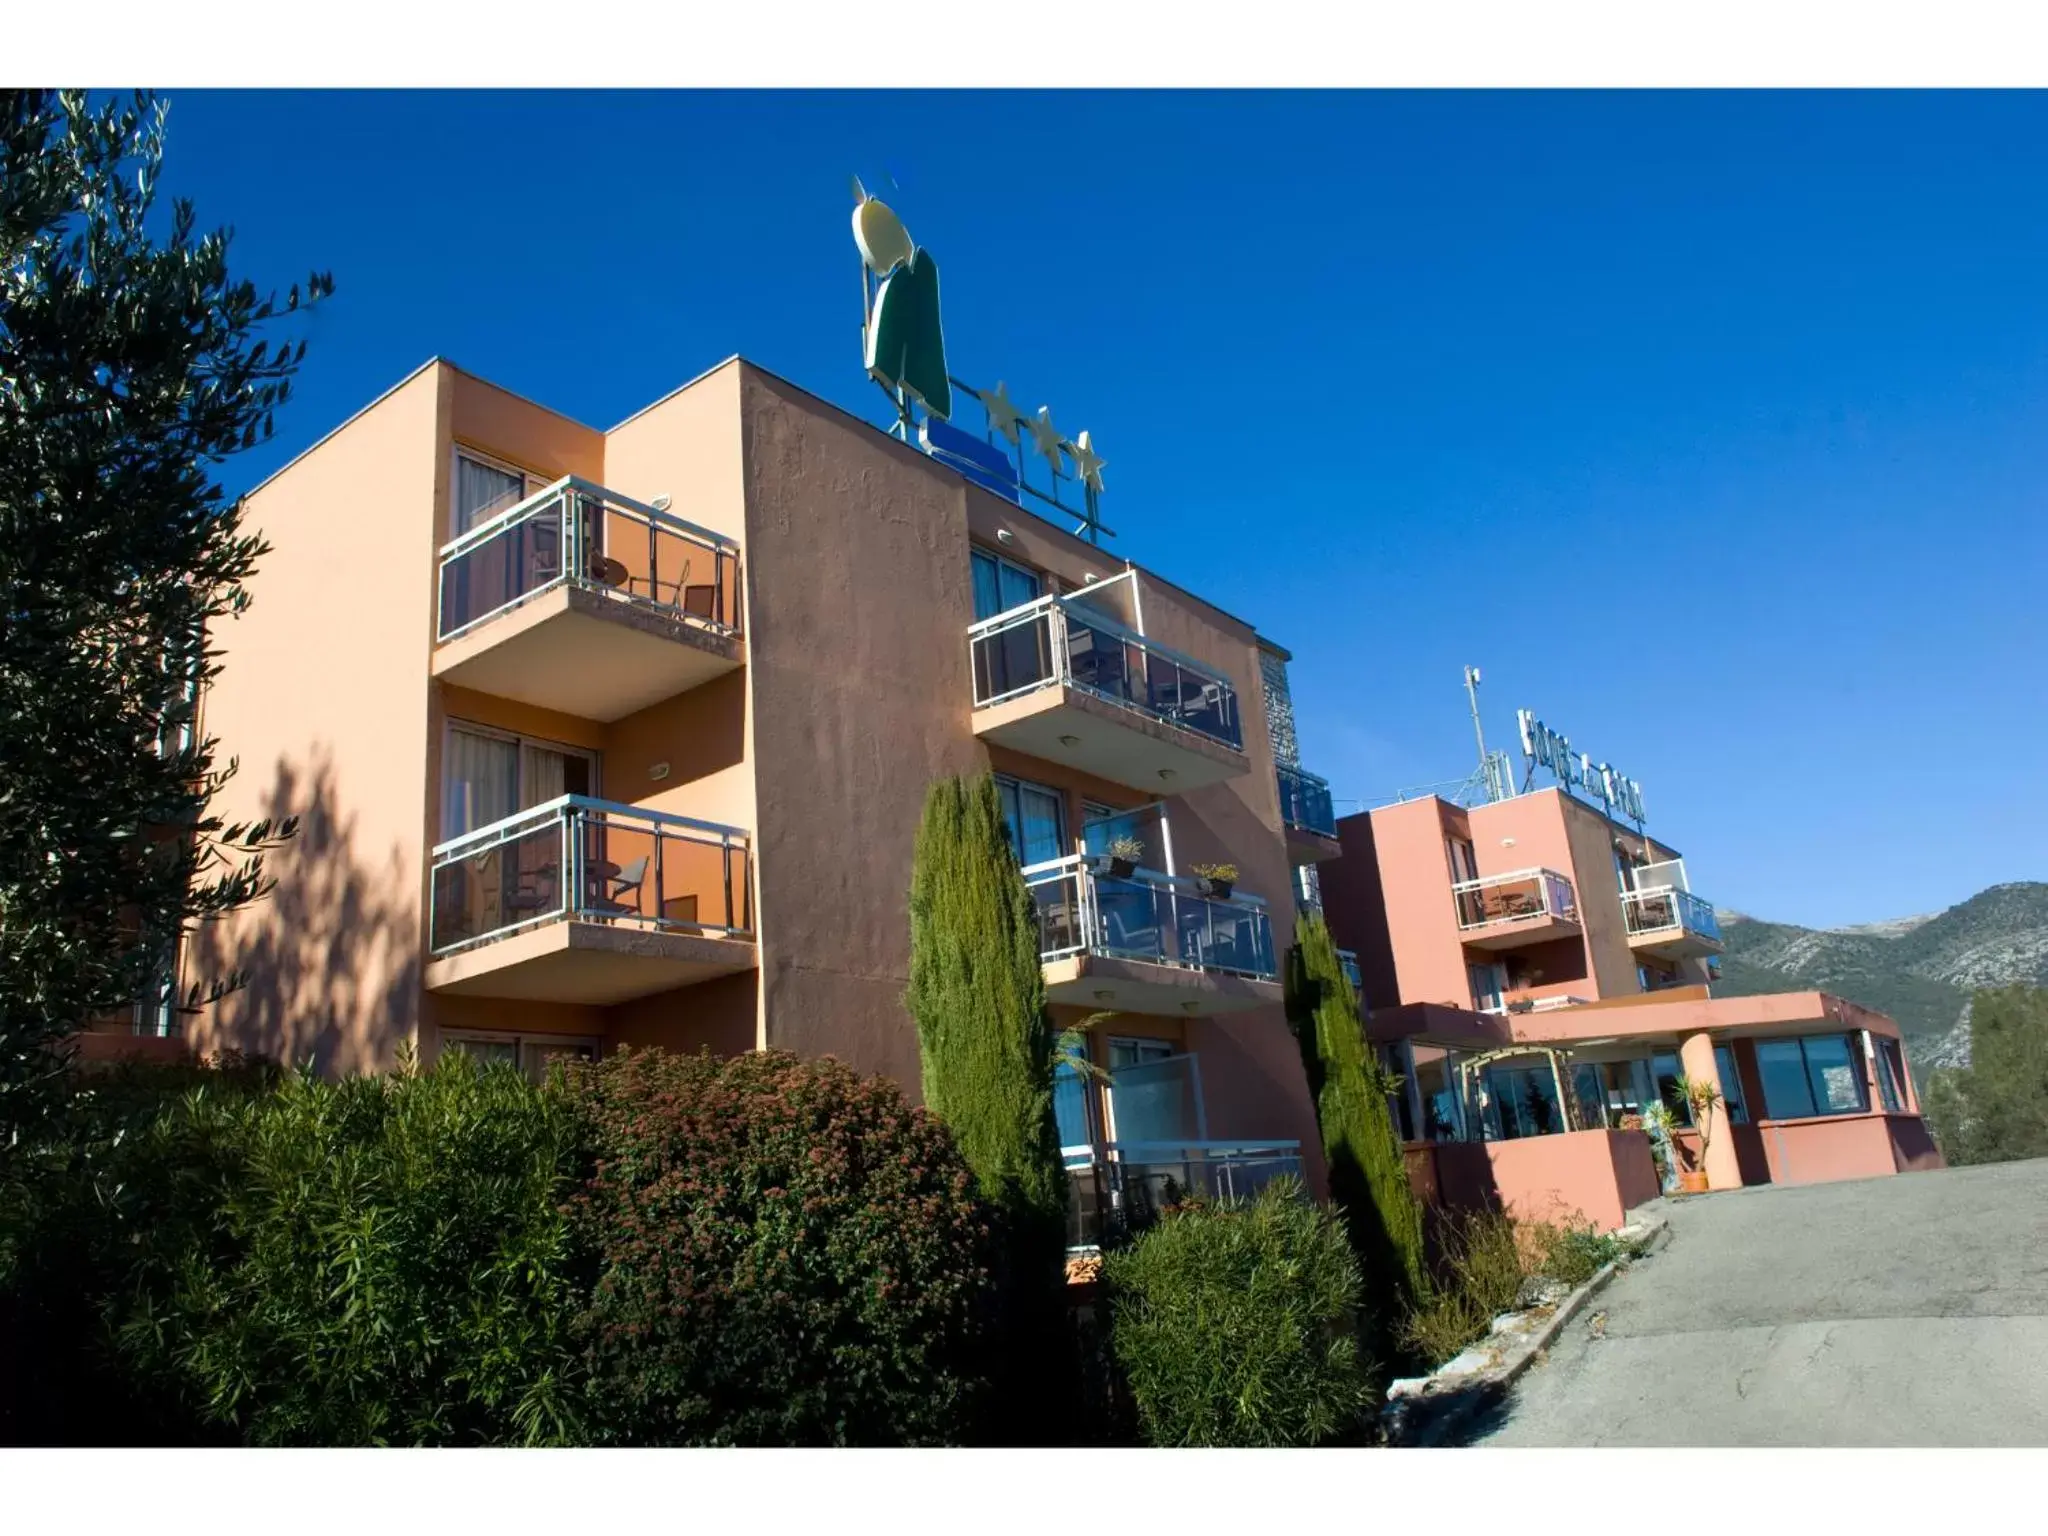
point(1217, 879)
point(1123, 856)
point(1700, 1098)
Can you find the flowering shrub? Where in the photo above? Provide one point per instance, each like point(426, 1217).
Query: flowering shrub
point(787, 1254)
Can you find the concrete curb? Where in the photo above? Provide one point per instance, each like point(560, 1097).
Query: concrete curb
point(1430, 1415)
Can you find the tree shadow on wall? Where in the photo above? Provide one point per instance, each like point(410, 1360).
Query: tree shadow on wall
point(331, 955)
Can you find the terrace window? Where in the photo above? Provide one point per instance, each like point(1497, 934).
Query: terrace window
point(1035, 816)
point(532, 1054)
point(1731, 1086)
point(489, 775)
point(1891, 1075)
point(1810, 1075)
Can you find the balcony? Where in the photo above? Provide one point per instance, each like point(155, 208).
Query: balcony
point(1148, 942)
point(1308, 816)
point(1124, 1185)
point(1668, 921)
point(583, 601)
point(1069, 684)
point(586, 901)
point(1509, 911)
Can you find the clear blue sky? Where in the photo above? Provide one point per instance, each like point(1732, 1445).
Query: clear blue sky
point(1710, 425)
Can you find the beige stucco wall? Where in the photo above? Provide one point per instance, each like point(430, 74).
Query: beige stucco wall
point(324, 699)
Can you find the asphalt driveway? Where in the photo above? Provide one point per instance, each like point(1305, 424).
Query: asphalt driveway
point(1904, 1311)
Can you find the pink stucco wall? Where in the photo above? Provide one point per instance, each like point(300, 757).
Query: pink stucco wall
point(1597, 1176)
point(1833, 1147)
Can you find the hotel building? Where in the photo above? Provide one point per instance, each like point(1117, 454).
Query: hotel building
point(1539, 972)
point(608, 738)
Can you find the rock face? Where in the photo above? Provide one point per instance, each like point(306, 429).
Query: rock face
point(1920, 970)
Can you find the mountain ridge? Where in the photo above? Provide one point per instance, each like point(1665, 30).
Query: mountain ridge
point(1920, 970)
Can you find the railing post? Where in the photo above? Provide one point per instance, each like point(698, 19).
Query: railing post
point(654, 567)
point(725, 874)
point(660, 901)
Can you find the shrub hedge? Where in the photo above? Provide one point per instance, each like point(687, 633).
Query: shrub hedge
point(788, 1254)
point(1235, 1324)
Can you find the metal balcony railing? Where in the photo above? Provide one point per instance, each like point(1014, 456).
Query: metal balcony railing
point(1525, 896)
point(578, 859)
point(1125, 1185)
point(1084, 909)
point(1055, 640)
point(1668, 908)
point(580, 534)
point(1305, 801)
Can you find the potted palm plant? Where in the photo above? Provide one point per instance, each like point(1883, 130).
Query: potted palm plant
point(1700, 1098)
point(1217, 879)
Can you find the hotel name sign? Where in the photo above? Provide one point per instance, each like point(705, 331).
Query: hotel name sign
point(1544, 748)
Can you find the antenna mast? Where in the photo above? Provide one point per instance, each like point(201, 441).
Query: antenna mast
point(1493, 767)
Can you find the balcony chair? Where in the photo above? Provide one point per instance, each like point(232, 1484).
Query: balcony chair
point(675, 589)
point(626, 882)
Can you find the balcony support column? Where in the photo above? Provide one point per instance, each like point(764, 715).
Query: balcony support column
point(1696, 1059)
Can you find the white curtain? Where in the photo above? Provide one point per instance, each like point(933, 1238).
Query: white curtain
point(482, 782)
point(540, 776)
point(482, 491)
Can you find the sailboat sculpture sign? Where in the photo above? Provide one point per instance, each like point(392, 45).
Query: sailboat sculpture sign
point(903, 346)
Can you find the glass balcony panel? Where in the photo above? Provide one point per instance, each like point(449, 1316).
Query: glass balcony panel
point(1101, 659)
point(1305, 801)
point(591, 861)
point(503, 886)
point(601, 539)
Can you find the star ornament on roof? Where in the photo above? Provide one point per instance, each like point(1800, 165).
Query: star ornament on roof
point(1003, 415)
point(1088, 464)
point(1045, 437)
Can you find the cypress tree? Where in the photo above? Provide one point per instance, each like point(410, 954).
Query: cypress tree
point(978, 994)
point(987, 1049)
point(1368, 1179)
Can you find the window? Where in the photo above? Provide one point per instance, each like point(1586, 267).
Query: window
point(1809, 1075)
point(532, 1054)
point(1070, 1106)
point(1891, 1074)
point(1489, 987)
point(1664, 1075)
point(485, 487)
point(1000, 585)
point(488, 775)
point(1522, 1101)
point(1731, 1086)
point(1395, 1061)
point(1035, 816)
point(1151, 1091)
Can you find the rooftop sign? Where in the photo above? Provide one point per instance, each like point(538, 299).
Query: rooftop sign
point(1544, 748)
point(904, 350)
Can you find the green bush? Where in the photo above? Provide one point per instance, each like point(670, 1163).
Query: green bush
point(387, 1262)
point(1573, 1251)
point(1480, 1268)
point(1236, 1324)
point(789, 1254)
point(82, 1199)
point(291, 1261)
